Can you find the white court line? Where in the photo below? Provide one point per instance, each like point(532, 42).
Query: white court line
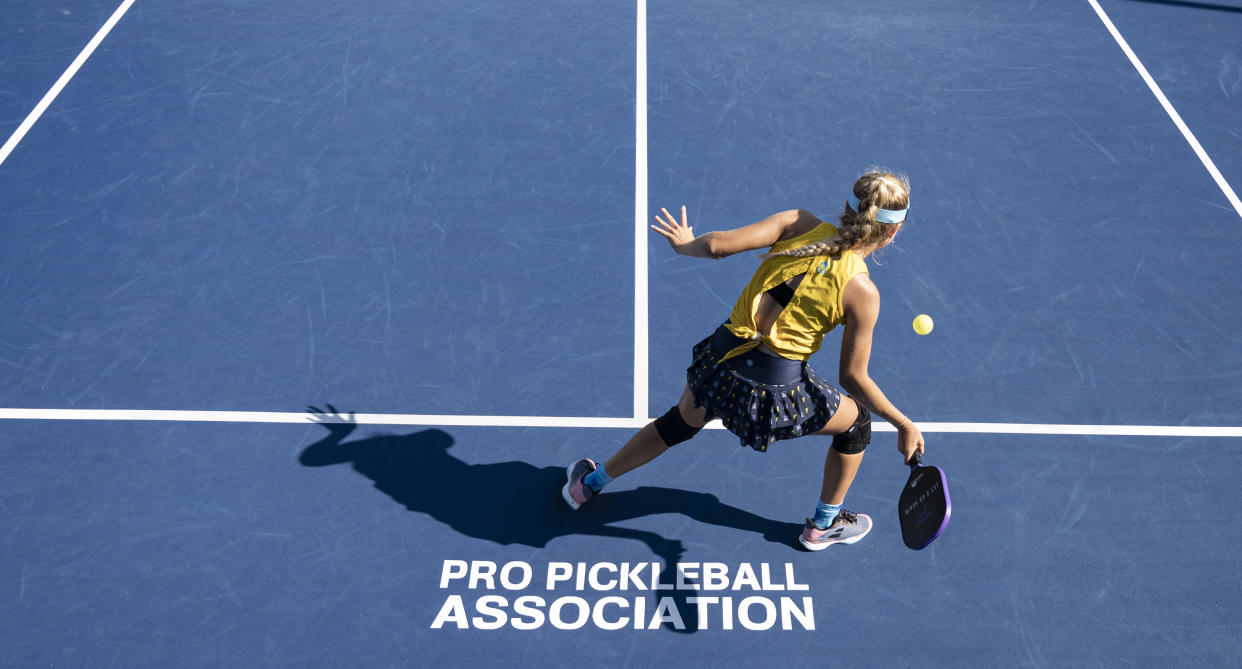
point(62, 82)
point(1168, 108)
point(586, 422)
point(640, 219)
point(302, 417)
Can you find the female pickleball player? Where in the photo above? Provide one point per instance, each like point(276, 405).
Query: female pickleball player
point(752, 372)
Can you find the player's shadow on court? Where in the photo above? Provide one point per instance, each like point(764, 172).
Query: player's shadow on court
point(518, 503)
point(1194, 5)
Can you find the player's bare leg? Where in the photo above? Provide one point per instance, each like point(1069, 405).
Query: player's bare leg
point(832, 524)
point(584, 478)
point(839, 468)
point(839, 471)
point(647, 445)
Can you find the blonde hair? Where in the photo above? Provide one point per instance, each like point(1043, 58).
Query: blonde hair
point(875, 190)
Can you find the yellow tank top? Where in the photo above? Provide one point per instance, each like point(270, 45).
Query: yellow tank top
point(815, 307)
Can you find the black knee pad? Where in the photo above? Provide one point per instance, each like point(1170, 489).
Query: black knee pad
point(673, 428)
point(855, 439)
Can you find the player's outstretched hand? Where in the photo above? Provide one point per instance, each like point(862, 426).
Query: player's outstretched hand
point(909, 441)
point(678, 233)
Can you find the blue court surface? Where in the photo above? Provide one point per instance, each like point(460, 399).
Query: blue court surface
point(432, 215)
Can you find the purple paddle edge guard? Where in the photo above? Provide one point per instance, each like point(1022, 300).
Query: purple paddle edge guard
point(948, 505)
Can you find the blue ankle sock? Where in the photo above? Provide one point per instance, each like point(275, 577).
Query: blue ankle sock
point(825, 514)
point(597, 479)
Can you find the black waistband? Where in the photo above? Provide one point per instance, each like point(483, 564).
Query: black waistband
point(756, 364)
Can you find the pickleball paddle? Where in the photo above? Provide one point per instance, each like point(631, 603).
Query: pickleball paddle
point(924, 505)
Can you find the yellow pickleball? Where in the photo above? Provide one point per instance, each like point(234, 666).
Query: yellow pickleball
point(923, 324)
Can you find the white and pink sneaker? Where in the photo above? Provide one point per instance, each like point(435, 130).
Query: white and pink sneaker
point(847, 528)
point(575, 492)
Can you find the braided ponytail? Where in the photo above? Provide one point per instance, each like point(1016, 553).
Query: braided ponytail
point(875, 190)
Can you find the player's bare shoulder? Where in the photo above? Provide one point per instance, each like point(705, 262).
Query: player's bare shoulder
point(800, 222)
point(860, 295)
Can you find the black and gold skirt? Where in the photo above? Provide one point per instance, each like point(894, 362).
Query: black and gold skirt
point(760, 397)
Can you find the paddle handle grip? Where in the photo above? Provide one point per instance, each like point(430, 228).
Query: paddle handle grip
point(916, 460)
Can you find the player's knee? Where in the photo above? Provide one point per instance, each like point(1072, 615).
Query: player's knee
point(673, 428)
point(855, 439)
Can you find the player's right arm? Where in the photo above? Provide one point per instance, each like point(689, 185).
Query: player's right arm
point(861, 301)
point(723, 243)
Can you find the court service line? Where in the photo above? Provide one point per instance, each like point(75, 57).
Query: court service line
point(60, 84)
point(640, 217)
point(585, 422)
point(1168, 108)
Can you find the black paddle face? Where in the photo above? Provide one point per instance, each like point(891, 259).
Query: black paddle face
point(924, 505)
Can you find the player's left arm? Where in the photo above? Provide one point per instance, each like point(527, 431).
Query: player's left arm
point(723, 243)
